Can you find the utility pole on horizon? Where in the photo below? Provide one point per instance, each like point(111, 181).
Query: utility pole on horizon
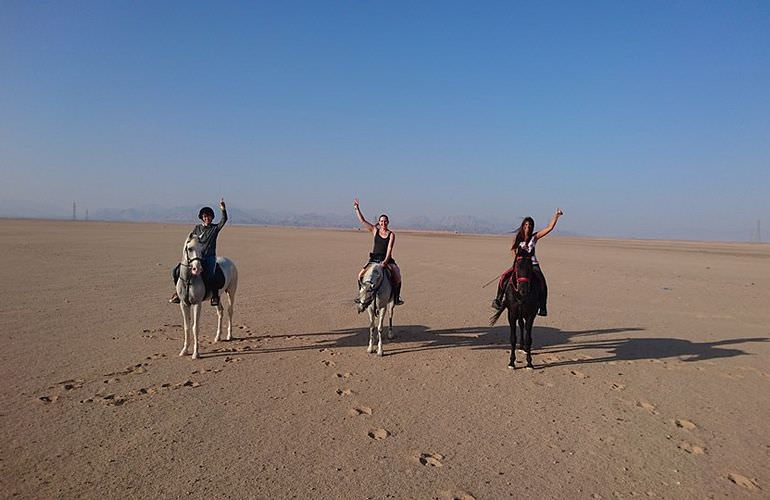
point(74, 211)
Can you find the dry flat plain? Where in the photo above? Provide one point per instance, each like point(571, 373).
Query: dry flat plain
point(652, 376)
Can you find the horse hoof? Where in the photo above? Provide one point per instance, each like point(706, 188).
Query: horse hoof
point(379, 353)
point(369, 351)
point(511, 366)
point(183, 353)
point(195, 355)
point(530, 367)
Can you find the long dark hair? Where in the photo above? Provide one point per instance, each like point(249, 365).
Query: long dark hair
point(520, 233)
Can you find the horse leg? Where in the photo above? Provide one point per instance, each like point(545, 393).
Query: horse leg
point(370, 349)
point(220, 309)
point(196, 316)
point(380, 321)
point(186, 323)
point(527, 340)
point(512, 323)
point(230, 302)
point(391, 307)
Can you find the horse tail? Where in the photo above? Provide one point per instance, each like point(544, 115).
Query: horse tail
point(498, 312)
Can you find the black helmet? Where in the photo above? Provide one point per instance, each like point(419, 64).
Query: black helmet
point(206, 210)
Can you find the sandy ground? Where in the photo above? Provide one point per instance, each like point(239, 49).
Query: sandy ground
point(652, 371)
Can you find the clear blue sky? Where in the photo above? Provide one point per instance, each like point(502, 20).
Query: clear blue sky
point(648, 119)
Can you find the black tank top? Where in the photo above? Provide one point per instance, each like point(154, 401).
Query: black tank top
point(380, 245)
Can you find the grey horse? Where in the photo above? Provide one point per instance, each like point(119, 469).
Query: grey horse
point(375, 295)
point(192, 292)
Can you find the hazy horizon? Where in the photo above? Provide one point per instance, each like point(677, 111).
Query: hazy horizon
point(639, 120)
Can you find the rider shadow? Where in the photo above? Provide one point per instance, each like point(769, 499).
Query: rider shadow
point(656, 348)
point(547, 340)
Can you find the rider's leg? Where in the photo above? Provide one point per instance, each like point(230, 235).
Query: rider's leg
point(395, 272)
point(175, 276)
point(209, 269)
point(497, 303)
point(544, 293)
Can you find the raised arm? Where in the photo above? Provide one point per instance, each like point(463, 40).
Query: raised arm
point(223, 209)
point(550, 226)
point(360, 216)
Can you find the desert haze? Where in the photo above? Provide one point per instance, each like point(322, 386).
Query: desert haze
point(651, 374)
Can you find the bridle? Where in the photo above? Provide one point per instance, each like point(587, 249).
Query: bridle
point(187, 282)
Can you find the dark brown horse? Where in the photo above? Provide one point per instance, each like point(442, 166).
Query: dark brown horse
point(522, 298)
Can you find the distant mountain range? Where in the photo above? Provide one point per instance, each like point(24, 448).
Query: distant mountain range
point(155, 213)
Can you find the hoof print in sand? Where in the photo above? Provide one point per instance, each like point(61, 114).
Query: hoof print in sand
point(647, 406)
point(378, 434)
point(691, 448)
point(454, 495)
point(742, 480)
point(578, 374)
point(328, 363)
point(685, 424)
point(364, 410)
point(431, 459)
point(617, 387)
point(344, 392)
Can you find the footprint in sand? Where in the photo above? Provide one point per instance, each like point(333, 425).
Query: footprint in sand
point(685, 424)
point(578, 374)
point(691, 448)
point(344, 392)
point(328, 363)
point(742, 480)
point(647, 406)
point(363, 410)
point(378, 434)
point(343, 375)
point(617, 387)
point(431, 459)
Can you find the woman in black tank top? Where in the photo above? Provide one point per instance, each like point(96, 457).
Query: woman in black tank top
point(382, 251)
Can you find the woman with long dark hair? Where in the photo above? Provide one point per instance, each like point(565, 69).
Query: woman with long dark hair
point(382, 252)
point(526, 240)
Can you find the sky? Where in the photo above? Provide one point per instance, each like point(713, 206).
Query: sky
point(638, 119)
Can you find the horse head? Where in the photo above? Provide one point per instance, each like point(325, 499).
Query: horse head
point(192, 254)
point(369, 285)
point(522, 271)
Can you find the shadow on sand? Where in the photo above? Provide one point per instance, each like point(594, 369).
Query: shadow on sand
point(546, 340)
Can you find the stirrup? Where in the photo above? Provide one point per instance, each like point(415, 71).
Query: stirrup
point(215, 300)
point(399, 301)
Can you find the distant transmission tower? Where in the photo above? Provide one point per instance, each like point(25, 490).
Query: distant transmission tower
point(74, 211)
point(86, 214)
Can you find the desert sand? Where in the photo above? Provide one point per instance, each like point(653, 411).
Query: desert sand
point(652, 370)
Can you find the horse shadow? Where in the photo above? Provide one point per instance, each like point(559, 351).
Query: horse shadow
point(412, 339)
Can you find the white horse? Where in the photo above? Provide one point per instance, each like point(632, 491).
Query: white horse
point(375, 295)
point(192, 292)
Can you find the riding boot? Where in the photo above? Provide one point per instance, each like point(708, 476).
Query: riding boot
point(497, 303)
point(215, 297)
point(174, 299)
point(397, 295)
